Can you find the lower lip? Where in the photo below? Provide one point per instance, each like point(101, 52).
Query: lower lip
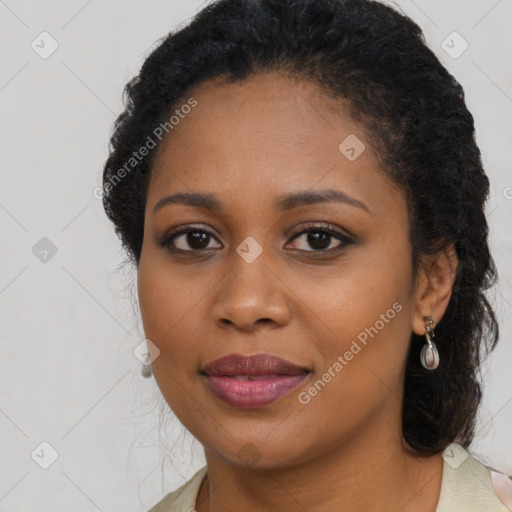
point(249, 394)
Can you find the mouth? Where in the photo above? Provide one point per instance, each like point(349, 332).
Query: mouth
point(252, 381)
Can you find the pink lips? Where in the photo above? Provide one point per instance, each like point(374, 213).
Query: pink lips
point(252, 381)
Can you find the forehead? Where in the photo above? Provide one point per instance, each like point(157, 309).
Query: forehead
point(267, 132)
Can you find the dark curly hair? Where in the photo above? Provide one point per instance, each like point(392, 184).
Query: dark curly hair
point(414, 113)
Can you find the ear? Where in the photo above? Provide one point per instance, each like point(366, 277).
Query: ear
point(433, 287)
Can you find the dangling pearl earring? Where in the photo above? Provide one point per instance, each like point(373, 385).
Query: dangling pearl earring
point(146, 368)
point(429, 353)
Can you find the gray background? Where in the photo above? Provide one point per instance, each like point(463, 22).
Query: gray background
point(69, 324)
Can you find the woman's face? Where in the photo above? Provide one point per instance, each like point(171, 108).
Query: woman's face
point(338, 302)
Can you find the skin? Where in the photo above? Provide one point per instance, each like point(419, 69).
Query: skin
point(249, 143)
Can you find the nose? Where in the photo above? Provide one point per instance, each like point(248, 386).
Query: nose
point(251, 294)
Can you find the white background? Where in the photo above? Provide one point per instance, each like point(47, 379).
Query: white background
point(69, 326)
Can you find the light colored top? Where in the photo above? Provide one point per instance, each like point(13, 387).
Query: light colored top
point(466, 486)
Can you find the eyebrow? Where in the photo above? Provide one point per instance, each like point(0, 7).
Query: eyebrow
point(283, 203)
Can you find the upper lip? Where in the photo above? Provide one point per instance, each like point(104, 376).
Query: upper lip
point(259, 364)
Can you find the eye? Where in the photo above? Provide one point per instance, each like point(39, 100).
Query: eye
point(321, 238)
point(191, 239)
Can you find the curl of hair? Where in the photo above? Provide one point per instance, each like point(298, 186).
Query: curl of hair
point(413, 112)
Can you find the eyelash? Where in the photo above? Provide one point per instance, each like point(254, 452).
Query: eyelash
point(311, 227)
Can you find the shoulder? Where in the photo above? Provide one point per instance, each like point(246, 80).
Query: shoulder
point(468, 485)
point(182, 499)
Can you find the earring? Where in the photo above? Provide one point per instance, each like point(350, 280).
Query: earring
point(429, 353)
point(146, 368)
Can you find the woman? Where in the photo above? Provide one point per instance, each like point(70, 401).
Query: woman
point(299, 187)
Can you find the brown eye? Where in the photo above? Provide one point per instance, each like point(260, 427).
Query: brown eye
point(188, 240)
point(321, 238)
point(316, 240)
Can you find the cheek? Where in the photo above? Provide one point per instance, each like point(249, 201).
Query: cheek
point(360, 375)
point(169, 317)
point(168, 306)
point(367, 310)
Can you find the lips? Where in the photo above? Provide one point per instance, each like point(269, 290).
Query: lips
point(257, 365)
point(252, 381)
